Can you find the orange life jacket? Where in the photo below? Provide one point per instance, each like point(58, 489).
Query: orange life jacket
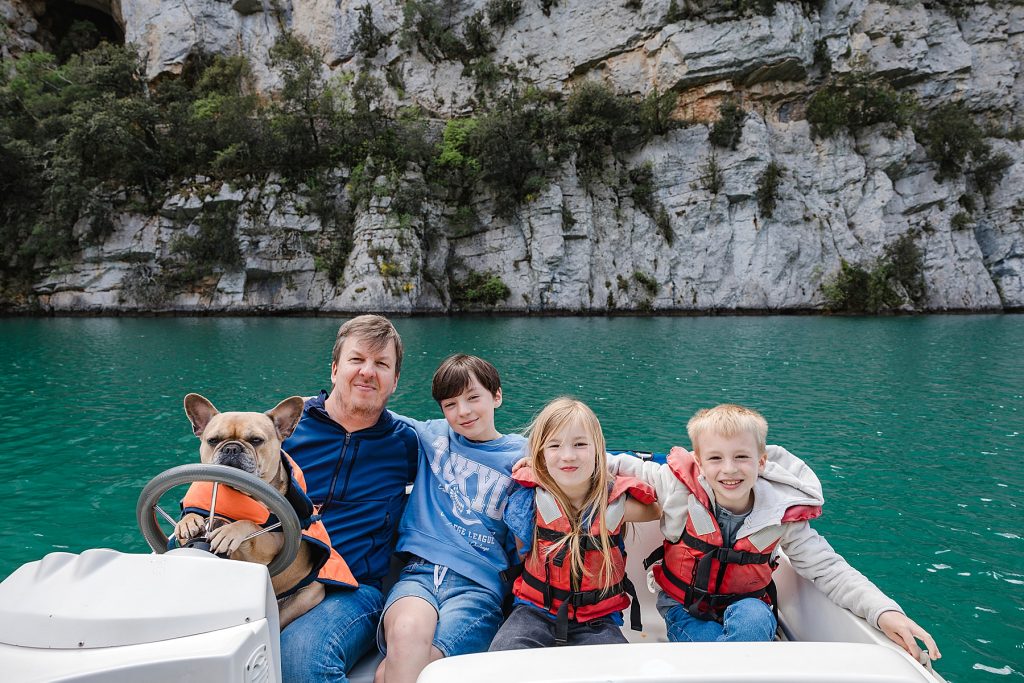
point(698, 571)
point(328, 566)
point(547, 579)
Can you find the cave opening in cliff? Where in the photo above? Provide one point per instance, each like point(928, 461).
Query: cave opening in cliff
point(75, 27)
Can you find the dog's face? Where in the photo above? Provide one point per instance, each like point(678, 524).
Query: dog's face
point(250, 442)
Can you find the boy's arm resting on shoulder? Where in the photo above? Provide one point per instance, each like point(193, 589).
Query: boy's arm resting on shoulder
point(658, 476)
point(815, 559)
point(412, 422)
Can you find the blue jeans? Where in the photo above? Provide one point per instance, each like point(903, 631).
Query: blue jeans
point(530, 626)
point(747, 620)
point(468, 615)
point(326, 641)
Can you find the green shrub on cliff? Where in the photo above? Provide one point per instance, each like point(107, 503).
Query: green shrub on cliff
point(895, 279)
point(854, 101)
point(368, 40)
point(486, 289)
point(502, 13)
point(768, 188)
point(211, 119)
point(432, 27)
point(957, 144)
point(214, 245)
point(514, 145)
point(597, 122)
point(727, 131)
point(73, 134)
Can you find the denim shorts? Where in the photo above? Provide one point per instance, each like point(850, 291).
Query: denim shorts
point(468, 615)
point(747, 620)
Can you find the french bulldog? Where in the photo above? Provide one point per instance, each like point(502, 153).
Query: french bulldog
point(251, 442)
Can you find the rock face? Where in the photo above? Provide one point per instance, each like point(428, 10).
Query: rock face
point(580, 248)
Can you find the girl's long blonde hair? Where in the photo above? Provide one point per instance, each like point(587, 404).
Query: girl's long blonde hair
point(552, 419)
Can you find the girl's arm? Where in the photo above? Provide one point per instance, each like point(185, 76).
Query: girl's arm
point(639, 512)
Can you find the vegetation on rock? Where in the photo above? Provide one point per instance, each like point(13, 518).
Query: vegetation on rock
point(476, 289)
point(894, 280)
point(727, 131)
point(768, 188)
point(853, 101)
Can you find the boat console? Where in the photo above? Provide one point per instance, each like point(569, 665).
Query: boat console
point(110, 617)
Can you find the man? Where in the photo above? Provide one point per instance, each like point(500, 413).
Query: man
point(357, 460)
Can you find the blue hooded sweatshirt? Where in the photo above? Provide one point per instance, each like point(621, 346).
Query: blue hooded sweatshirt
point(359, 478)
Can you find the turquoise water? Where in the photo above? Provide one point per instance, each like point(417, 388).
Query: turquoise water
point(913, 424)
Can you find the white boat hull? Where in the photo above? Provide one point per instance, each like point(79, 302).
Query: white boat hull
point(187, 616)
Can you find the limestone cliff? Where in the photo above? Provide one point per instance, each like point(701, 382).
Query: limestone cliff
point(580, 246)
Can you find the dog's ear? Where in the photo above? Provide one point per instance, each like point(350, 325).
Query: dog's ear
point(286, 415)
point(200, 411)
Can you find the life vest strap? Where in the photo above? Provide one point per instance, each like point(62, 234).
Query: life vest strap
point(714, 603)
point(587, 541)
point(512, 573)
point(723, 554)
point(656, 556)
point(578, 599)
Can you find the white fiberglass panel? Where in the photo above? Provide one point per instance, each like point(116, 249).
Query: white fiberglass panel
point(104, 598)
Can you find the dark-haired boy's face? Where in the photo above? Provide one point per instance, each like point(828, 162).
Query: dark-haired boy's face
point(471, 413)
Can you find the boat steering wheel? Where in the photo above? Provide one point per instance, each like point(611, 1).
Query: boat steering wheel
point(148, 506)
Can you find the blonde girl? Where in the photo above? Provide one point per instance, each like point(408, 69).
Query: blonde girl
point(568, 520)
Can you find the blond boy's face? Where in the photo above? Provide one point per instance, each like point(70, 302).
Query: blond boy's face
point(731, 465)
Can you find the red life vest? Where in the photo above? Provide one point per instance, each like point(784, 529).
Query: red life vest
point(548, 581)
point(328, 566)
point(698, 571)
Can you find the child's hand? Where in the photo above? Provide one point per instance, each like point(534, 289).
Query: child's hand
point(520, 464)
point(904, 631)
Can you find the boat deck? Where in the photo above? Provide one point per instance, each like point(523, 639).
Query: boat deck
point(834, 645)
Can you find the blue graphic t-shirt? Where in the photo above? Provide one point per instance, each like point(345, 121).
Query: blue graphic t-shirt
point(454, 516)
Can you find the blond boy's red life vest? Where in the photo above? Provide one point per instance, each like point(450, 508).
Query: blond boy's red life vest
point(328, 566)
point(548, 581)
point(698, 571)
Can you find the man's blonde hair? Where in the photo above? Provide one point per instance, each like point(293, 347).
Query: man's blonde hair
point(728, 420)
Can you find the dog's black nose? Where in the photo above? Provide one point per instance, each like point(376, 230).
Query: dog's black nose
point(229, 449)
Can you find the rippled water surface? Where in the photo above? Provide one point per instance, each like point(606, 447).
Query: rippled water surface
point(913, 424)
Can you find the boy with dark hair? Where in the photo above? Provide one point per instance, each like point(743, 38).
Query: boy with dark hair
point(448, 599)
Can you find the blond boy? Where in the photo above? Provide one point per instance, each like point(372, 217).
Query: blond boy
point(727, 508)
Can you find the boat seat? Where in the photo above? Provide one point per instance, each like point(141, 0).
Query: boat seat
point(639, 544)
point(806, 614)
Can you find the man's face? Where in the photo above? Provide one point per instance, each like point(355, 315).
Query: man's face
point(364, 378)
point(731, 465)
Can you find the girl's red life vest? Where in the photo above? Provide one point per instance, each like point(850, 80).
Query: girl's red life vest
point(547, 580)
point(328, 566)
point(701, 574)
